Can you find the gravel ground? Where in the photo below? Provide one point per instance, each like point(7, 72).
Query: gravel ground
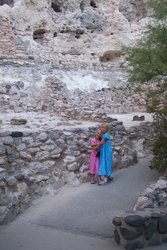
point(42, 121)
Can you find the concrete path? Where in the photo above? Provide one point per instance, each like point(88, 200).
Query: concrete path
point(78, 218)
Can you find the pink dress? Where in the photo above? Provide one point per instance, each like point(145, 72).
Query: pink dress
point(94, 160)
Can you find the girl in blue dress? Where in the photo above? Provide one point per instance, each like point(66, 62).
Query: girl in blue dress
point(105, 166)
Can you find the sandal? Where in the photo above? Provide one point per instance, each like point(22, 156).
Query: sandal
point(93, 182)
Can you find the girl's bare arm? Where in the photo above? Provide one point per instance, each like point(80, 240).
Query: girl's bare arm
point(101, 143)
point(94, 145)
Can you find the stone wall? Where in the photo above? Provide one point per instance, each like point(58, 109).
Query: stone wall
point(146, 225)
point(34, 163)
point(7, 41)
point(154, 196)
point(141, 229)
point(52, 95)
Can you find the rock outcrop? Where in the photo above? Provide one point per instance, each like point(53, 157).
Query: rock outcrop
point(65, 31)
point(59, 51)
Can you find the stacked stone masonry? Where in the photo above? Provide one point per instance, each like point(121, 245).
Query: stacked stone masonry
point(35, 163)
point(146, 225)
point(7, 41)
point(53, 96)
point(141, 229)
point(154, 196)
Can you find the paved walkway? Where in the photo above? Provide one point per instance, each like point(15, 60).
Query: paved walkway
point(78, 218)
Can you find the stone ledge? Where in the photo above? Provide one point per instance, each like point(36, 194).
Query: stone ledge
point(139, 229)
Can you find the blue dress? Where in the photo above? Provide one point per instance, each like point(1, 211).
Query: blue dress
point(105, 167)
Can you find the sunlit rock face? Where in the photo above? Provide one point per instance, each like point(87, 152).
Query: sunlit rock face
point(76, 42)
point(133, 10)
point(74, 30)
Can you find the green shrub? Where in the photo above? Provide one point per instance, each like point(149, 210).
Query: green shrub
point(148, 62)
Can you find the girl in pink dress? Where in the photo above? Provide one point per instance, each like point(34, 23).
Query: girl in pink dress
point(95, 156)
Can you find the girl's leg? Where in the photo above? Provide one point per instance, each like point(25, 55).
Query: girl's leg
point(109, 170)
point(109, 178)
point(103, 180)
point(93, 181)
point(98, 178)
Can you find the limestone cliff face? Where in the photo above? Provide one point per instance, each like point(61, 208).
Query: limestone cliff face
point(76, 44)
point(71, 32)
